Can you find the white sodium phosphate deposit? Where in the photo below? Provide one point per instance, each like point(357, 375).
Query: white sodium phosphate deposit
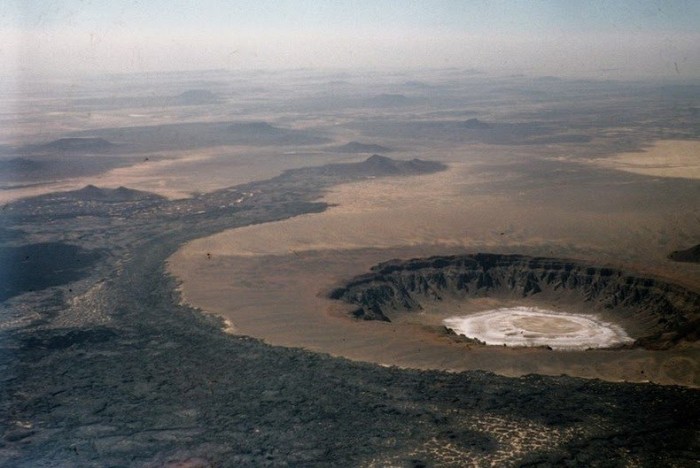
point(532, 326)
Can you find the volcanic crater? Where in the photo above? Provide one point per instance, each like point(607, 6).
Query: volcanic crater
point(656, 314)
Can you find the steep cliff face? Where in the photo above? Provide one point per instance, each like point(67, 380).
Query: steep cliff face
point(666, 313)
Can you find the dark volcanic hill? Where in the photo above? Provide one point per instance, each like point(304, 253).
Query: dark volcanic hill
point(374, 166)
point(196, 97)
point(475, 124)
point(257, 128)
point(691, 255)
point(662, 313)
point(120, 194)
point(355, 147)
point(381, 165)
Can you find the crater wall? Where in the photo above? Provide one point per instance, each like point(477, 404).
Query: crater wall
point(658, 314)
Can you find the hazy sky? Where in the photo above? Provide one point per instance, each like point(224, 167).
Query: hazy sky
point(566, 37)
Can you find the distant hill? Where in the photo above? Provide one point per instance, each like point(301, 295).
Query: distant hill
point(374, 166)
point(691, 255)
point(120, 194)
point(416, 84)
point(475, 124)
point(195, 97)
point(76, 144)
point(256, 128)
point(355, 147)
point(381, 165)
point(388, 100)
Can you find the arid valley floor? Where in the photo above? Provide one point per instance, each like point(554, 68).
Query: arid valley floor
point(246, 269)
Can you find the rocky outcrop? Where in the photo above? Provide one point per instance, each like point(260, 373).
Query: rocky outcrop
point(666, 313)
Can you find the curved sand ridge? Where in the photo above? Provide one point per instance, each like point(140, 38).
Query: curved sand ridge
point(532, 326)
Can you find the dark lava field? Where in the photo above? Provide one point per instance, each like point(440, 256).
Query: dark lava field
point(107, 368)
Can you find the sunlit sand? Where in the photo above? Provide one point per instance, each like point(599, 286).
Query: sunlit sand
point(667, 158)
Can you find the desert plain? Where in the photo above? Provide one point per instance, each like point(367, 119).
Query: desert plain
point(606, 217)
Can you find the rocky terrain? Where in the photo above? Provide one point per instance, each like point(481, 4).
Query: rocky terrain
point(665, 313)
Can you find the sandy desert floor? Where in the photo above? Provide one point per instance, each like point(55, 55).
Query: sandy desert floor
point(268, 280)
point(665, 159)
